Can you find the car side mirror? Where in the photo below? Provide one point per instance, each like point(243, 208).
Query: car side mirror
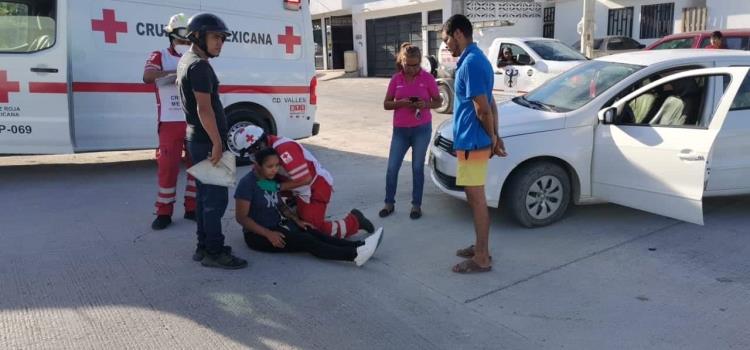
point(607, 115)
point(524, 60)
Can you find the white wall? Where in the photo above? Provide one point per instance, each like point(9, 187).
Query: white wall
point(726, 14)
point(568, 14)
point(381, 9)
point(331, 7)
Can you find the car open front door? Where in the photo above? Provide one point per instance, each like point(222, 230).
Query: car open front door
point(660, 164)
point(34, 114)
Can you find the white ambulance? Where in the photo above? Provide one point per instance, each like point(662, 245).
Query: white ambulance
point(71, 70)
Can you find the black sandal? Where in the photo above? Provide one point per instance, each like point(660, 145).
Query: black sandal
point(385, 211)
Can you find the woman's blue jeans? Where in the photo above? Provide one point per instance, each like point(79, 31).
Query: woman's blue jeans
point(418, 139)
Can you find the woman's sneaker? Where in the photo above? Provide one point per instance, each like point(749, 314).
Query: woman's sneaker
point(224, 261)
point(366, 251)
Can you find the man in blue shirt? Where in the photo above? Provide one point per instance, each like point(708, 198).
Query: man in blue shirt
point(475, 134)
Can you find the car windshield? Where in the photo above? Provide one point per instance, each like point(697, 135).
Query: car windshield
point(682, 43)
point(576, 87)
point(554, 50)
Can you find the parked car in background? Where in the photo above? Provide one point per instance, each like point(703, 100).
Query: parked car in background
point(734, 39)
point(611, 45)
point(535, 60)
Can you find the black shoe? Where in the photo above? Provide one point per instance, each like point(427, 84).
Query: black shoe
point(201, 253)
point(190, 215)
point(416, 213)
point(161, 222)
point(224, 261)
point(364, 223)
point(385, 211)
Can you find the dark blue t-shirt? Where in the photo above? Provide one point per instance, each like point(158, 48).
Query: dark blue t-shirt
point(263, 204)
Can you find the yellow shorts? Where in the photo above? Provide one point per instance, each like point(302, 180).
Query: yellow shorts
point(472, 167)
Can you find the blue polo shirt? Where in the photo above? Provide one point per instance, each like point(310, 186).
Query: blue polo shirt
point(474, 77)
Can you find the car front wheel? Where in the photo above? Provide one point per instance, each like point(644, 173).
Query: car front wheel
point(538, 194)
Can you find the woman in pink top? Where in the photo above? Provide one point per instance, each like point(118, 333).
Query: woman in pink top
point(411, 94)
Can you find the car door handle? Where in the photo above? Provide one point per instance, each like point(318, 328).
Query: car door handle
point(44, 70)
point(692, 157)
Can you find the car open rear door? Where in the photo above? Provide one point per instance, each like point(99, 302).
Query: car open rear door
point(661, 169)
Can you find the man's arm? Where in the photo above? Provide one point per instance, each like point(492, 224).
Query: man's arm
point(485, 113)
point(208, 120)
point(150, 75)
point(292, 184)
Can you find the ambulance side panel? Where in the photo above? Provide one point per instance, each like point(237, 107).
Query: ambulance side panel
point(112, 108)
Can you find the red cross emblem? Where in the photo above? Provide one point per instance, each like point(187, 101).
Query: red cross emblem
point(289, 39)
point(7, 87)
point(250, 139)
point(109, 26)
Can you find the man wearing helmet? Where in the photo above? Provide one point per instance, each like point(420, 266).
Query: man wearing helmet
point(311, 184)
point(206, 134)
point(160, 70)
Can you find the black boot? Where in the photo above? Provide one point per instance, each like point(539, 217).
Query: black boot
point(190, 215)
point(223, 261)
point(364, 223)
point(161, 222)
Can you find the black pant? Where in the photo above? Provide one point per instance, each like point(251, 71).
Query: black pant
point(211, 203)
point(311, 241)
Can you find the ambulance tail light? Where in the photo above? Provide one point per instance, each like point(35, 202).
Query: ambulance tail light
point(293, 5)
point(314, 91)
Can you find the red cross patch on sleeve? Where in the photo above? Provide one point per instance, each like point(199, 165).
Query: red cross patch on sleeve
point(286, 158)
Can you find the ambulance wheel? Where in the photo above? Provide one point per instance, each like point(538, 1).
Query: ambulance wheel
point(538, 194)
point(254, 115)
point(447, 95)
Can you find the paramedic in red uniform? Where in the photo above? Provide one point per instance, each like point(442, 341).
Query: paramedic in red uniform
point(311, 184)
point(160, 70)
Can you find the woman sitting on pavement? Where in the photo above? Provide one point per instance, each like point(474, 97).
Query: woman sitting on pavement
point(259, 212)
point(411, 93)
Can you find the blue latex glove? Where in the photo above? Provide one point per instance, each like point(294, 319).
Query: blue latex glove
point(269, 185)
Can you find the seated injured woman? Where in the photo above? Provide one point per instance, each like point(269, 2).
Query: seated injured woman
point(270, 226)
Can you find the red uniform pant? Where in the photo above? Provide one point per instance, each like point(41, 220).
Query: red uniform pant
point(168, 158)
point(314, 212)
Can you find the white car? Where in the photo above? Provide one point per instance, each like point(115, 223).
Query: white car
point(651, 130)
point(536, 60)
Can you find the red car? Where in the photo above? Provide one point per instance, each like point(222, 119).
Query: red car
point(736, 39)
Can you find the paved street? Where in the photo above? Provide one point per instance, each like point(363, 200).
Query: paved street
point(83, 270)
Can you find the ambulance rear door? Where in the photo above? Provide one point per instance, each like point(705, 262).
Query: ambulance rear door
point(34, 113)
point(268, 62)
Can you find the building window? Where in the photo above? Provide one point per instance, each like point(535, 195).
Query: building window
point(433, 37)
point(620, 22)
point(548, 31)
point(657, 20)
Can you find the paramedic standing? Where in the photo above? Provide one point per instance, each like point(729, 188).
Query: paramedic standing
point(160, 70)
point(206, 134)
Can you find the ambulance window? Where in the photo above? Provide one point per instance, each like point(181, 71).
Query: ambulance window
point(27, 27)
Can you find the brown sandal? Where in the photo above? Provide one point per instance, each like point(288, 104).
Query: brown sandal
point(470, 266)
point(467, 252)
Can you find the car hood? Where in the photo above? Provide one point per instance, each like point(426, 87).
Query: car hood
point(517, 120)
